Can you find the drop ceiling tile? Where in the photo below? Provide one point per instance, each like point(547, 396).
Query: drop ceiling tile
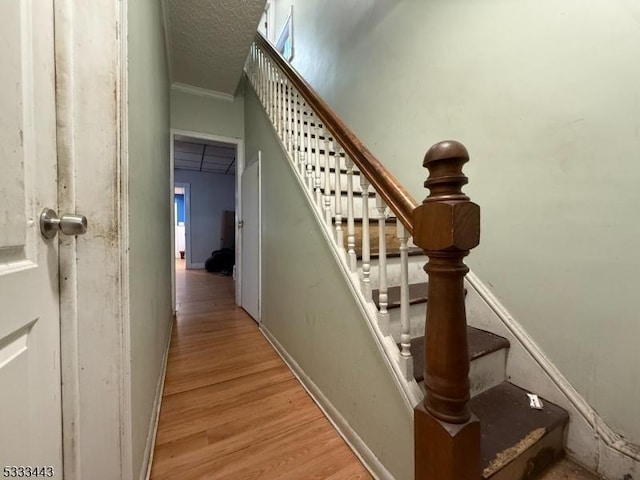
point(192, 157)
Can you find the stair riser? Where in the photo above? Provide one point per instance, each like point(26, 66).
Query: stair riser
point(488, 371)
point(415, 270)
point(533, 460)
point(357, 208)
point(391, 237)
point(344, 181)
point(332, 159)
point(417, 317)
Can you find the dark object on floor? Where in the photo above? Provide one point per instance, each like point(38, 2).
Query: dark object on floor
point(221, 261)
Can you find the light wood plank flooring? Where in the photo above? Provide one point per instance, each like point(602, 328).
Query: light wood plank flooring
point(231, 408)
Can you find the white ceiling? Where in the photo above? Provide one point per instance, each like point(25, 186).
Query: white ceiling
point(204, 155)
point(209, 41)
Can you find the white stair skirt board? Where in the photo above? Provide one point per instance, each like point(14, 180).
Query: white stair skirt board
point(145, 473)
point(590, 441)
point(362, 451)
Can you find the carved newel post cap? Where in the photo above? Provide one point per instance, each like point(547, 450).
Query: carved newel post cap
point(447, 219)
point(444, 150)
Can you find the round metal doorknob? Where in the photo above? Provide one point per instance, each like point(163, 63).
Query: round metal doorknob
point(69, 224)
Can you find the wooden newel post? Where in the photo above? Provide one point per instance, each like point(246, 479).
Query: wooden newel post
point(446, 226)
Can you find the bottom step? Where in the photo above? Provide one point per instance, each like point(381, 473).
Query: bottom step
point(518, 442)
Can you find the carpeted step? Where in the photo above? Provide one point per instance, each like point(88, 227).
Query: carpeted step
point(481, 343)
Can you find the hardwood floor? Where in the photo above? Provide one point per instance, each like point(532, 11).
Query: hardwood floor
point(231, 408)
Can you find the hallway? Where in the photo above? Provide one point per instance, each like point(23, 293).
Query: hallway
point(231, 408)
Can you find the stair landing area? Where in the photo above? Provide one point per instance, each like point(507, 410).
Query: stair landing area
point(231, 408)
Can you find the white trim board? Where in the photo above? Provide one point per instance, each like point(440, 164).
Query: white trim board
point(353, 440)
point(203, 92)
point(145, 472)
point(590, 441)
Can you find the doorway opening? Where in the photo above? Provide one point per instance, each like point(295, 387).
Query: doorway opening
point(180, 199)
point(204, 171)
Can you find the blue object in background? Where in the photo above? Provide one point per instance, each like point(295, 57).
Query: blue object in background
point(179, 199)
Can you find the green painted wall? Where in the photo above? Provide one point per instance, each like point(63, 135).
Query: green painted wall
point(149, 228)
point(546, 96)
point(308, 307)
point(198, 113)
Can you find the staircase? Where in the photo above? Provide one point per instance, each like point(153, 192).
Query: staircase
point(370, 219)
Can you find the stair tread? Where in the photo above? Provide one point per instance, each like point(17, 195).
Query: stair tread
point(391, 253)
point(480, 343)
point(509, 426)
point(418, 293)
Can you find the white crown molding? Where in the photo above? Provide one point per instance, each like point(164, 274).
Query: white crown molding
point(183, 87)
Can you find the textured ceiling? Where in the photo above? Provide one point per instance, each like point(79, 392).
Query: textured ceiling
point(210, 39)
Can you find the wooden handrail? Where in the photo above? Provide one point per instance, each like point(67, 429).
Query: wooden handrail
point(394, 194)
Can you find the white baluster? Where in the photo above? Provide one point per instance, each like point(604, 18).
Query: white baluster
point(317, 179)
point(280, 110)
point(289, 129)
point(406, 362)
point(265, 79)
point(272, 95)
point(310, 157)
point(366, 254)
point(283, 106)
point(296, 124)
point(259, 77)
point(285, 126)
point(338, 197)
point(295, 128)
point(383, 314)
point(303, 140)
point(254, 65)
point(276, 100)
point(351, 231)
point(327, 182)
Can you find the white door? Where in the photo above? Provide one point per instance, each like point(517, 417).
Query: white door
point(30, 404)
point(250, 275)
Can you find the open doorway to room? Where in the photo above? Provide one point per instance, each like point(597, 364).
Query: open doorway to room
point(180, 199)
point(204, 184)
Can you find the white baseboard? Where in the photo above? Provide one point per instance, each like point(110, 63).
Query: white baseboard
point(145, 472)
point(590, 441)
point(362, 451)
